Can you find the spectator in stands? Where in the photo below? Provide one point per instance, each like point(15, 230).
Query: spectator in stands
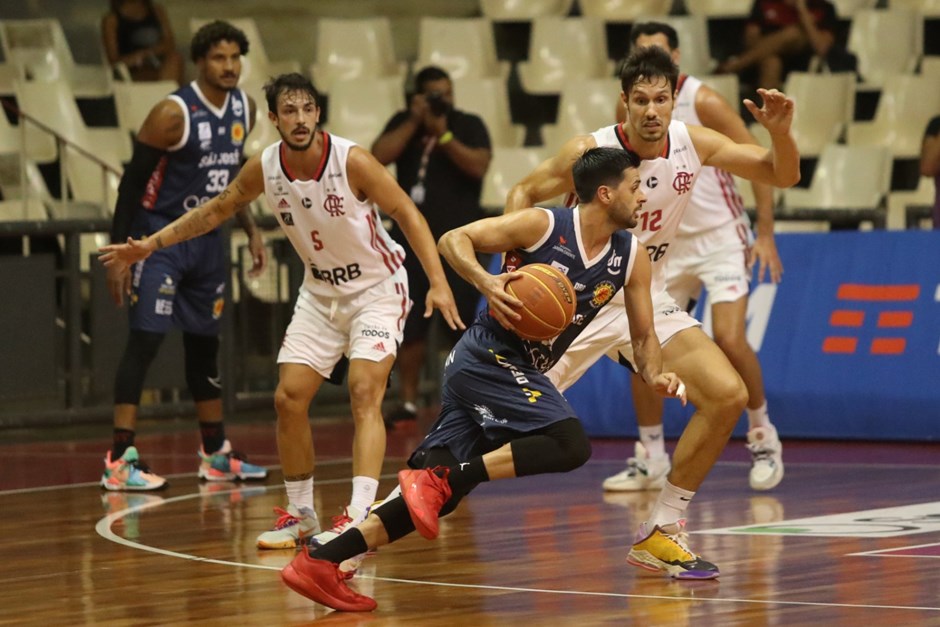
point(441, 155)
point(783, 35)
point(930, 163)
point(137, 33)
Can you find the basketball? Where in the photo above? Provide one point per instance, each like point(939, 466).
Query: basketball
point(548, 301)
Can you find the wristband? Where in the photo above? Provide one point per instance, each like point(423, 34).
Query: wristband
point(445, 138)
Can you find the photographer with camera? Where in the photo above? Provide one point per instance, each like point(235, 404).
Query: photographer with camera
point(441, 155)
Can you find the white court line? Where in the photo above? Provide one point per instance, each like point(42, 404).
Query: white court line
point(878, 552)
point(103, 527)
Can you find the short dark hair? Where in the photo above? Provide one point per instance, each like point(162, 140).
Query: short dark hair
point(427, 75)
point(600, 166)
point(286, 83)
point(648, 63)
point(654, 28)
point(211, 34)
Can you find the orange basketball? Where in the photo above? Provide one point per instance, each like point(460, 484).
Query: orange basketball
point(548, 301)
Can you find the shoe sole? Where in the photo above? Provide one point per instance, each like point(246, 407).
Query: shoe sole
point(231, 476)
point(126, 488)
point(295, 582)
point(647, 488)
point(657, 566)
point(775, 481)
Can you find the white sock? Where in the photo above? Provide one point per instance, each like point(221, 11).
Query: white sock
point(758, 417)
point(670, 506)
point(300, 494)
point(652, 439)
point(363, 495)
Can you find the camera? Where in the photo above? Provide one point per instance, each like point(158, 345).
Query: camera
point(436, 103)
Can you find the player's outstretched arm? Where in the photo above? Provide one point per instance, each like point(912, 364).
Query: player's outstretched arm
point(646, 348)
point(248, 185)
point(551, 178)
point(369, 179)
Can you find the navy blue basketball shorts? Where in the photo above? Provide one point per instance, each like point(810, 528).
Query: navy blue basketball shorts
point(182, 286)
point(491, 395)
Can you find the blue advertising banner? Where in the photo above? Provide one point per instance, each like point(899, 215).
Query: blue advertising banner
point(849, 343)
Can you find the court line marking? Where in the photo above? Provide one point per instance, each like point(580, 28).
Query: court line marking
point(103, 528)
point(880, 552)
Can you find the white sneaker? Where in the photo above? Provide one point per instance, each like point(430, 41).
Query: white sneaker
point(293, 528)
point(766, 458)
point(642, 473)
point(349, 518)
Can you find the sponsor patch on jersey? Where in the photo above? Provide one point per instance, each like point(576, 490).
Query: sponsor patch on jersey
point(603, 292)
point(238, 133)
point(560, 266)
point(283, 204)
point(204, 131)
point(287, 218)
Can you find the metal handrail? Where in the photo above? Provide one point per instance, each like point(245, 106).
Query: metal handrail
point(61, 142)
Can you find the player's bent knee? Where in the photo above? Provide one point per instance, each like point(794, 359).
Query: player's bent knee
point(289, 402)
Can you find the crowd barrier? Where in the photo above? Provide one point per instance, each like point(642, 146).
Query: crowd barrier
point(849, 342)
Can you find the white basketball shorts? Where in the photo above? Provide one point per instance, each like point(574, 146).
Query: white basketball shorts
point(716, 259)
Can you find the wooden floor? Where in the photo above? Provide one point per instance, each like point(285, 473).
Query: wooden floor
point(546, 550)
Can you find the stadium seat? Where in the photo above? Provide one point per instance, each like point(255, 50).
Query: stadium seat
point(508, 167)
point(855, 178)
point(887, 43)
point(746, 191)
point(585, 106)
point(845, 9)
point(927, 8)
point(256, 66)
point(523, 10)
point(693, 41)
point(562, 49)
point(360, 109)
point(39, 47)
point(10, 72)
point(624, 10)
point(488, 98)
point(906, 105)
point(930, 66)
point(825, 104)
point(728, 85)
point(352, 49)
point(12, 181)
point(720, 8)
point(133, 101)
point(898, 202)
point(464, 48)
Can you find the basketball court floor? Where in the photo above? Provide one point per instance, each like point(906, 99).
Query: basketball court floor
point(851, 537)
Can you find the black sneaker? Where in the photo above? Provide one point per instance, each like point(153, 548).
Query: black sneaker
point(400, 414)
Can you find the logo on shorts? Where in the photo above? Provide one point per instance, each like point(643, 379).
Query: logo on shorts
point(532, 395)
point(167, 288)
point(163, 307)
point(217, 305)
point(487, 414)
point(603, 292)
point(379, 346)
point(376, 332)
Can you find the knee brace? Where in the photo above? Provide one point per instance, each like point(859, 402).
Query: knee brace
point(142, 347)
point(559, 447)
point(202, 368)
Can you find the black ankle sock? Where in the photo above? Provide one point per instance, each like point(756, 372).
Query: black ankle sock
point(464, 477)
point(348, 544)
point(121, 440)
point(213, 436)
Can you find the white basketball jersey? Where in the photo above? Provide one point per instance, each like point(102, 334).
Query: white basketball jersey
point(340, 238)
point(715, 199)
point(667, 183)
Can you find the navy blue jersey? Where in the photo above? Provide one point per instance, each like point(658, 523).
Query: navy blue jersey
point(202, 164)
point(595, 281)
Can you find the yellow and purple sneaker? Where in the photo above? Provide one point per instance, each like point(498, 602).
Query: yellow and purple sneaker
point(663, 549)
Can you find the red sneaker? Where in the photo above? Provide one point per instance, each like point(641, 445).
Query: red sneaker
point(323, 582)
point(425, 494)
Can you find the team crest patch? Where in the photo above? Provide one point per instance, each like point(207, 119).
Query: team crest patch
point(238, 132)
point(217, 307)
point(603, 292)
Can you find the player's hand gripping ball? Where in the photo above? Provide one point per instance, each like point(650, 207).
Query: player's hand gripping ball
point(548, 300)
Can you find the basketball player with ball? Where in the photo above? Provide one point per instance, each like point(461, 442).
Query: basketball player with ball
point(501, 417)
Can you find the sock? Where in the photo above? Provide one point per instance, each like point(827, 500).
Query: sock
point(464, 477)
point(121, 441)
point(652, 439)
point(342, 547)
point(213, 436)
point(363, 495)
point(670, 506)
point(300, 494)
point(758, 417)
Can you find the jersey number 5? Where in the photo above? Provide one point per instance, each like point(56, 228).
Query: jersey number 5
point(315, 236)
